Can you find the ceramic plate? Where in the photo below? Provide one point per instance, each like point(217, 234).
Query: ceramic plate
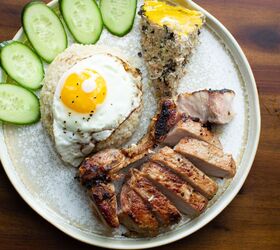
point(49, 187)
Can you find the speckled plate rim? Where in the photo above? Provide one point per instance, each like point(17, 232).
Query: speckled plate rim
point(195, 224)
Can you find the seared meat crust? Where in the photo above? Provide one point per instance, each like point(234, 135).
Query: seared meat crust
point(135, 214)
point(105, 202)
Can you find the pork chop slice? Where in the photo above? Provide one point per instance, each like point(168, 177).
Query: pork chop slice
point(214, 106)
point(176, 189)
point(135, 214)
point(210, 159)
point(101, 166)
point(186, 170)
point(166, 213)
point(192, 129)
point(104, 202)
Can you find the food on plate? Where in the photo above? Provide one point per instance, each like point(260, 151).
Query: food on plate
point(169, 35)
point(18, 105)
point(83, 19)
point(118, 15)
point(91, 103)
point(188, 127)
point(165, 212)
point(214, 106)
point(22, 65)
point(104, 201)
point(135, 213)
point(44, 30)
point(82, 101)
point(185, 198)
point(101, 166)
point(167, 157)
point(208, 158)
point(167, 180)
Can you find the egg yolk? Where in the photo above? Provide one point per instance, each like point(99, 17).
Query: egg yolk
point(175, 17)
point(84, 91)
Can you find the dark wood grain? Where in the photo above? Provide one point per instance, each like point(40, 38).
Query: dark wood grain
point(252, 220)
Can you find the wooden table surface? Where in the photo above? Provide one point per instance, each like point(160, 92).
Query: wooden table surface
point(252, 220)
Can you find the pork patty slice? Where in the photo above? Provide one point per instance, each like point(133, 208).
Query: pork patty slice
point(210, 159)
point(176, 189)
point(166, 46)
point(186, 170)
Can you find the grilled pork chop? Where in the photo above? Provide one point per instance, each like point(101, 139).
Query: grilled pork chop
point(166, 119)
point(177, 190)
point(135, 214)
point(189, 128)
point(98, 166)
point(105, 203)
point(166, 213)
point(210, 159)
point(186, 170)
point(214, 106)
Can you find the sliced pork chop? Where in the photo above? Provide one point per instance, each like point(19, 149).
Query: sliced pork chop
point(210, 159)
point(189, 128)
point(135, 214)
point(166, 213)
point(214, 106)
point(186, 170)
point(105, 203)
point(177, 190)
point(98, 166)
point(166, 119)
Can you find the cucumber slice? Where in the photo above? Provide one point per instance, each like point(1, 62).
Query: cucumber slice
point(44, 30)
point(22, 65)
point(118, 15)
point(18, 105)
point(83, 19)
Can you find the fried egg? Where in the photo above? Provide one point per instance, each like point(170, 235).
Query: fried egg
point(91, 100)
point(177, 18)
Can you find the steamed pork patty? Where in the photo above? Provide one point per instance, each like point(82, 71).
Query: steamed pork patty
point(91, 98)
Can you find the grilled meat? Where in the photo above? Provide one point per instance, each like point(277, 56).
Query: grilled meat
point(210, 159)
point(135, 214)
point(166, 119)
point(186, 170)
point(97, 167)
point(182, 194)
point(105, 203)
point(214, 106)
point(189, 128)
point(166, 213)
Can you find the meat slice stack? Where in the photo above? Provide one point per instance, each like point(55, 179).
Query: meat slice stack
point(186, 170)
point(173, 178)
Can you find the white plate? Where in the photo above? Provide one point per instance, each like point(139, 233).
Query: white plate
point(48, 186)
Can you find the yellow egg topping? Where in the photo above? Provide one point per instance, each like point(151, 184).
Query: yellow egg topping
point(82, 92)
point(177, 18)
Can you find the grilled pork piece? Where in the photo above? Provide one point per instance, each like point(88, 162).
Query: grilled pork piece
point(214, 106)
point(186, 170)
point(210, 159)
point(98, 166)
point(105, 203)
point(189, 128)
point(135, 214)
point(166, 213)
point(166, 119)
point(177, 190)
